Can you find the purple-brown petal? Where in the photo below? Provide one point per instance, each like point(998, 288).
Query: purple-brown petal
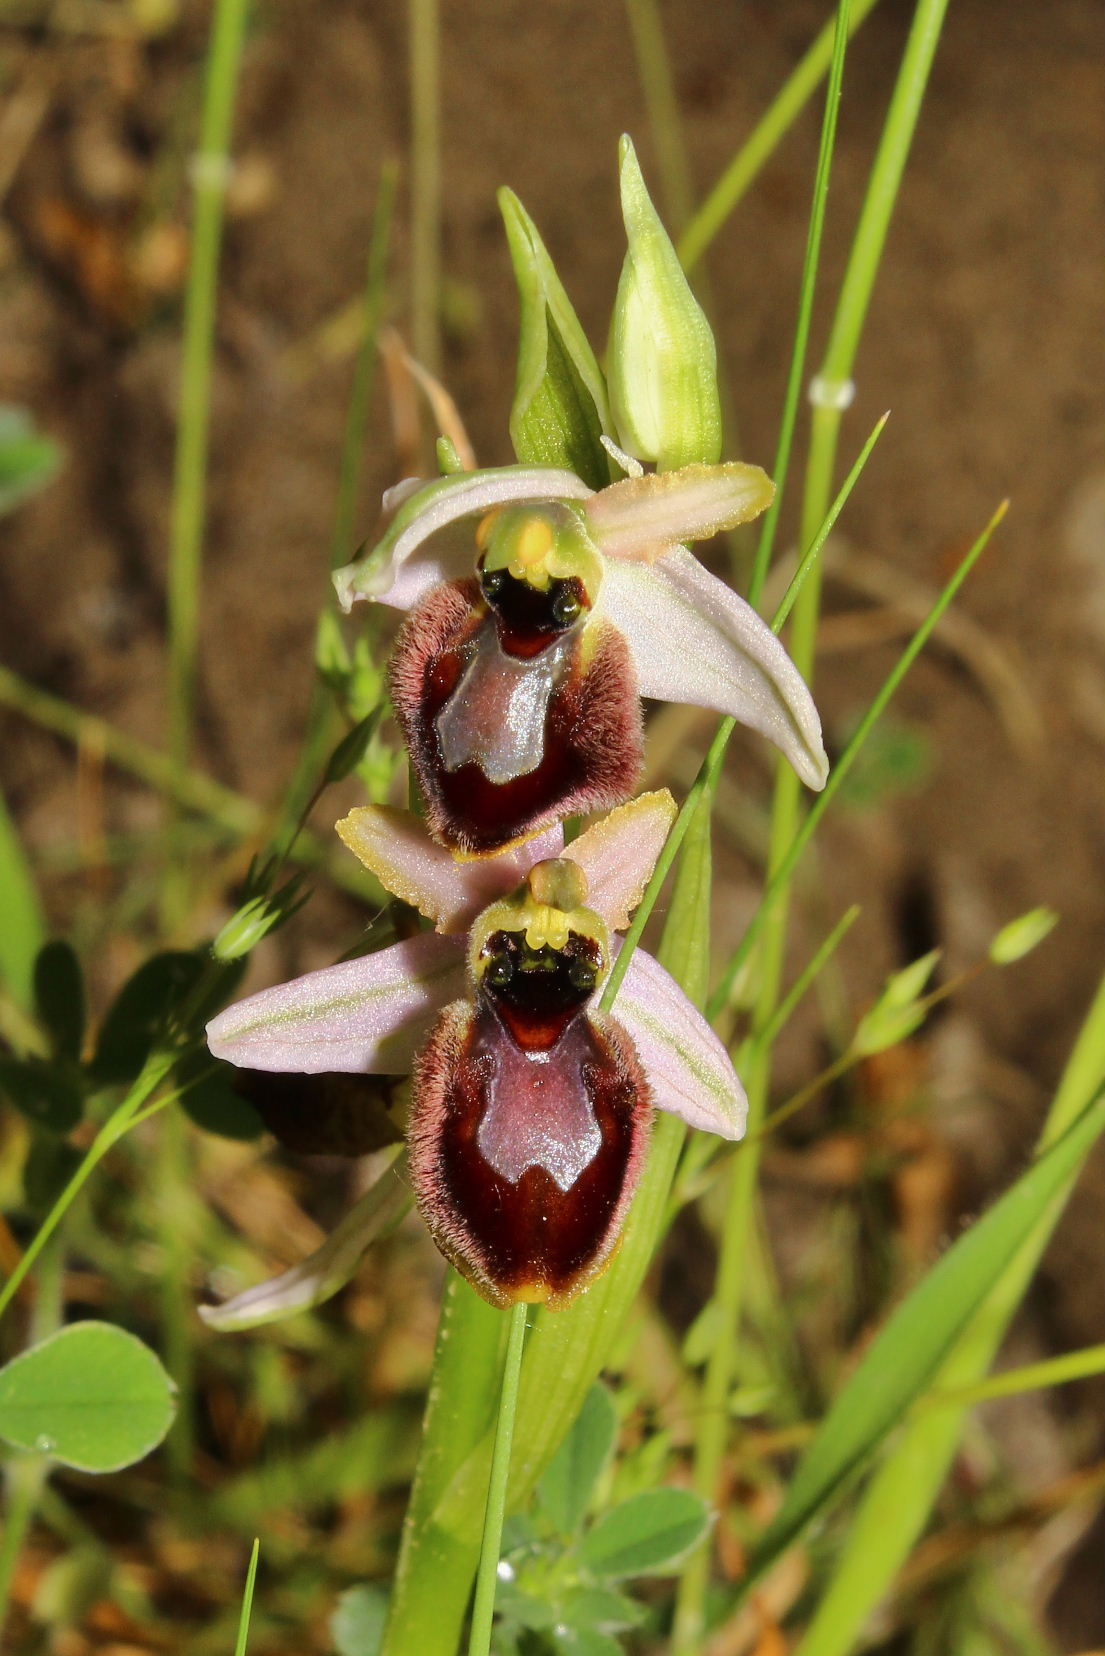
point(524, 1162)
point(533, 740)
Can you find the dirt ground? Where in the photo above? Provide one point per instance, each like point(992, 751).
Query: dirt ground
point(982, 338)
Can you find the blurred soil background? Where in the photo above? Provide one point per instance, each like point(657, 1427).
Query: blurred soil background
point(983, 795)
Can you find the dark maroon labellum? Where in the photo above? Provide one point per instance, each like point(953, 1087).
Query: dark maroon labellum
point(549, 719)
point(529, 1127)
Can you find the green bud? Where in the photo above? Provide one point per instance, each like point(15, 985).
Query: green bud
point(244, 930)
point(897, 1012)
point(449, 462)
point(662, 361)
point(903, 987)
point(886, 1026)
point(1022, 935)
point(259, 914)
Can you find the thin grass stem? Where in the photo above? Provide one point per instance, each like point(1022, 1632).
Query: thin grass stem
point(425, 82)
point(483, 1606)
point(805, 303)
point(763, 141)
point(247, 1600)
point(657, 83)
point(782, 873)
point(710, 768)
point(24, 1478)
point(299, 799)
point(209, 175)
point(154, 1071)
point(808, 976)
point(1055, 1371)
point(364, 368)
point(769, 928)
point(226, 810)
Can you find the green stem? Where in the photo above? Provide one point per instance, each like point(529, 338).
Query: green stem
point(210, 172)
point(173, 1214)
point(901, 1493)
point(25, 1474)
point(24, 1477)
point(487, 1577)
point(364, 371)
point(425, 181)
point(433, 1578)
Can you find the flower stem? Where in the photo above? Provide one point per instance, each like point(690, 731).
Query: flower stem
point(483, 1607)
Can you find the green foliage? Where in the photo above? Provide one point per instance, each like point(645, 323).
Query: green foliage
point(896, 762)
point(560, 1589)
point(139, 1014)
point(59, 996)
point(906, 1353)
point(357, 1625)
point(569, 1480)
point(91, 1396)
point(210, 1098)
point(28, 460)
point(46, 1094)
point(647, 1535)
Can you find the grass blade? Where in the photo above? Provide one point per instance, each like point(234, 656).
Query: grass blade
point(901, 1360)
point(897, 1502)
point(247, 1600)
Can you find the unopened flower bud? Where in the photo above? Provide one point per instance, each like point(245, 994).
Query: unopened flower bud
point(662, 360)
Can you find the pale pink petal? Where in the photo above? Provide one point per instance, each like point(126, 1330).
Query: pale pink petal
point(619, 852)
point(643, 517)
point(450, 557)
point(436, 507)
point(365, 1016)
point(695, 641)
point(329, 1268)
point(687, 1066)
point(450, 892)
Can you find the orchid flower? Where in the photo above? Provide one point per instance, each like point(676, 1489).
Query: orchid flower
point(517, 675)
point(531, 1109)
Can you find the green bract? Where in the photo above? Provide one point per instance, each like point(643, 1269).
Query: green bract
point(662, 363)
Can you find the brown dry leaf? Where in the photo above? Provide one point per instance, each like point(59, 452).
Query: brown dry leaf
point(406, 377)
